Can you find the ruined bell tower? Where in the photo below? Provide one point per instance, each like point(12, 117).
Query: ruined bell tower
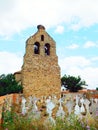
point(40, 74)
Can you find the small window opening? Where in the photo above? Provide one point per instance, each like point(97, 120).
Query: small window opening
point(36, 48)
point(42, 37)
point(47, 49)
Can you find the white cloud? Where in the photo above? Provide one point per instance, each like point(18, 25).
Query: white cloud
point(75, 27)
point(16, 15)
point(73, 61)
point(73, 46)
point(10, 62)
point(59, 29)
point(89, 44)
point(77, 65)
point(91, 76)
point(95, 58)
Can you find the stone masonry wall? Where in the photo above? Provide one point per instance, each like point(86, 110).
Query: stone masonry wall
point(41, 72)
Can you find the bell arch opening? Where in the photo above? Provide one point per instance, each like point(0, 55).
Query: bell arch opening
point(47, 49)
point(36, 48)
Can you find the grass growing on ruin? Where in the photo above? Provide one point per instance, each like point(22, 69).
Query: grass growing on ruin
point(13, 121)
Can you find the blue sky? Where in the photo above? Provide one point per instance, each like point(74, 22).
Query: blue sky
point(73, 24)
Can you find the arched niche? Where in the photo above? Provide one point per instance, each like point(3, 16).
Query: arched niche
point(42, 37)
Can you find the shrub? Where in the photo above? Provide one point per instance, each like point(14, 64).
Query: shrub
point(9, 85)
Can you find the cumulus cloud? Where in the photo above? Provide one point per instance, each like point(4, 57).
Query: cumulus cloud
point(73, 61)
point(78, 65)
point(89, 44)
point(73, 46)
point(59, 29)
point(94, 58)
point(10, 62)
point(17, 15)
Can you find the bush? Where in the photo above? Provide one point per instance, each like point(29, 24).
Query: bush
point(9, 85)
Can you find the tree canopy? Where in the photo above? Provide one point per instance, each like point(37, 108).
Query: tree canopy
point(9, 85)
point(73, 84)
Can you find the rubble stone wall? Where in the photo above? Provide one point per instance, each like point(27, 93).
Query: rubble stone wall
point(41, 72)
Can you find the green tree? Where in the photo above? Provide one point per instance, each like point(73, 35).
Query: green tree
point(73, 84)
point(9, 85)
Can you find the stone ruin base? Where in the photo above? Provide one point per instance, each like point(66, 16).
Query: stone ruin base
point(49, 108)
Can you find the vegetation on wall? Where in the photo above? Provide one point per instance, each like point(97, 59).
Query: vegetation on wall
point(73, 84)
point(14, 121)
point(9, 85)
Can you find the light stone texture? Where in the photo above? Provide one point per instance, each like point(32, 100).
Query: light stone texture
point(40, 73)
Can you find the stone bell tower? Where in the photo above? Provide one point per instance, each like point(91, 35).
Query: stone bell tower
point(40, 74)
